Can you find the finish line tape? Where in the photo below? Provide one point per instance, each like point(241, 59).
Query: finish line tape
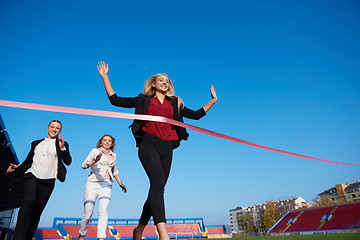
point(100, 113)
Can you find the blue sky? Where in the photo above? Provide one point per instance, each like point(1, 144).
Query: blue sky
point(286, 74)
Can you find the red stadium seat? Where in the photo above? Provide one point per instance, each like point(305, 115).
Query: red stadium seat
point(339, 217)
point(127, 230)
point(50, 233)
point(215, 230)
point(73, 230)
point(344, 217)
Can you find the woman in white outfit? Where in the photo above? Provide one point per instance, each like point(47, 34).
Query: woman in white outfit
point(102, 161)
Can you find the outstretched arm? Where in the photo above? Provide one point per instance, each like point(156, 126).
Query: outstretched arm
point(103, 71)
point(212, 101)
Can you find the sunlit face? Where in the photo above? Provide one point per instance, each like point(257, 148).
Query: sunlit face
point(54, 129)
point(106, 142)
point(161, 84)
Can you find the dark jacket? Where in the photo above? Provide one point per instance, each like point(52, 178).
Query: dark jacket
point(141, 103)
point(63, 157)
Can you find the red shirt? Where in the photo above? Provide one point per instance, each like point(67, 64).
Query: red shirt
point(164, 131)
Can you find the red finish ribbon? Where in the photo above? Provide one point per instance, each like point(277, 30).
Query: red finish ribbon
point(100, 113)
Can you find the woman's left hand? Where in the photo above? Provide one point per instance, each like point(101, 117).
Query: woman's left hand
point(212, 101)
point(213, 93)
point(61, 142)
point(123, 187)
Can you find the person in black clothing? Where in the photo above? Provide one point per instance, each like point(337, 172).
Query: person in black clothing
point(43, 164)
point(155, 140)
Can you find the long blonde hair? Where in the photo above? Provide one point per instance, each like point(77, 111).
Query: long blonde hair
point(149, 90)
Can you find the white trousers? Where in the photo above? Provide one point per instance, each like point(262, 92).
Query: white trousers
point(102, 191)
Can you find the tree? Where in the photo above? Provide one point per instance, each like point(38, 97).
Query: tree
point(250, 222)
point(322, 202)
point(260, 223)
point(246, 222)
point(285, 207)
point(271, 214)
point(242, 221)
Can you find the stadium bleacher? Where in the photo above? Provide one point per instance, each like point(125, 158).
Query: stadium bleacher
point(73, 230)
point(309, 220)
point(126, 231)
point(184, 230)
point(284, 222)
point(50, 234)
point(329, 218)
point(217, 231)
point(344, 217)
point(123, 228)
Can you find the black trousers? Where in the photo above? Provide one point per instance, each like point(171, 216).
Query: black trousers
point(155, 155)
point(36, 194)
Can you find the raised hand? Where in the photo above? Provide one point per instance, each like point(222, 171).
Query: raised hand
point(103, 69)
point(212, 101)
point(61, 142)
point(213, 93)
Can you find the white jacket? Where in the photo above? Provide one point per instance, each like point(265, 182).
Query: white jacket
point(107, 163)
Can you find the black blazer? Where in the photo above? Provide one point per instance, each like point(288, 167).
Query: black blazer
point(141, 103)
point(63, 157)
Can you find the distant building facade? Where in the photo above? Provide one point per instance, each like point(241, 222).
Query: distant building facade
point(239, 222)
point(236, 227)
point(341, 193)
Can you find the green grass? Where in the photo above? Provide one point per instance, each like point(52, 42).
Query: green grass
point(337, 236)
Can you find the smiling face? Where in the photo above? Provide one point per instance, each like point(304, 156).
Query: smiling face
point(106, 142)
point(161, 84)
point(54, 129)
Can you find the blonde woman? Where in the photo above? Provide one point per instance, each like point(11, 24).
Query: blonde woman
point(102, 161)
point(155, 140)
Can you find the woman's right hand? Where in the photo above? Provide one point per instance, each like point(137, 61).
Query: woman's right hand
point(89, 164)
point(98, 157)
point(103, 69)
point(11, 168)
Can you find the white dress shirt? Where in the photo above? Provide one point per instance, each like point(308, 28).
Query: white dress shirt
point(104, 168)
point(45, 160)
